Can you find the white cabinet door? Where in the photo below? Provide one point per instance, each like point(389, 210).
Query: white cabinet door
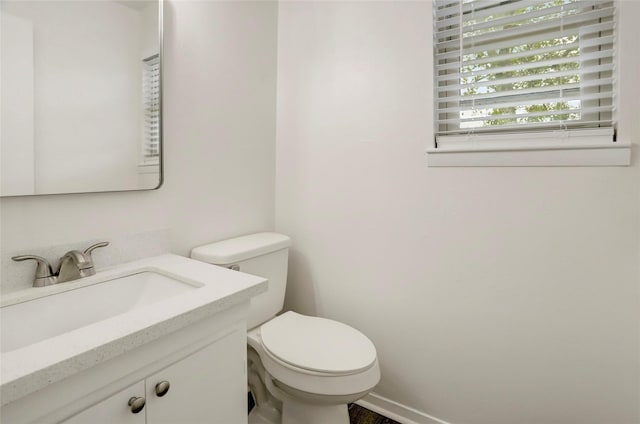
point(208, 386)
point(114, 409)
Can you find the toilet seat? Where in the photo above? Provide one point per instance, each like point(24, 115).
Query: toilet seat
point(317, 345)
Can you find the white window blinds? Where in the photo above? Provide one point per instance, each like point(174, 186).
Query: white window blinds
point(523, 64)
point(151, 104)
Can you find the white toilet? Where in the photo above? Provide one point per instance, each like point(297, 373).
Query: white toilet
point(301, 369)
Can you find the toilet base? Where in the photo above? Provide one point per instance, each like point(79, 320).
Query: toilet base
point(297, 410)
point(257, 417)
point(301, 413)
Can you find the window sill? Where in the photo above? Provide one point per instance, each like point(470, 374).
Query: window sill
point(549, 154)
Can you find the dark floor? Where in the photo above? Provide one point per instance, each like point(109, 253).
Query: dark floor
point(360, 415)
point(357, 414)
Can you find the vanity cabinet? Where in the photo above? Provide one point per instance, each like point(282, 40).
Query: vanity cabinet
point(112, 410)
point(204, 364)
point(208, 386)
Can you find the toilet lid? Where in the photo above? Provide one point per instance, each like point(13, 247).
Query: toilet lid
point(317, 344)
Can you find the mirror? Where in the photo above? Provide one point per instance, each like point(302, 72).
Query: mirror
point(80, 96)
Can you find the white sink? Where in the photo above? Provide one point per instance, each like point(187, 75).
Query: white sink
point(25, 323)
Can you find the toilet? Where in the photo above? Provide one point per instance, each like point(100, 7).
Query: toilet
point(301, 369)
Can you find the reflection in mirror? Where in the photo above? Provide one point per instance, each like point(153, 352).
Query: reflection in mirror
point(80, 96)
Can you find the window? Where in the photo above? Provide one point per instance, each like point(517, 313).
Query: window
point(522, 75)
point(151, 110)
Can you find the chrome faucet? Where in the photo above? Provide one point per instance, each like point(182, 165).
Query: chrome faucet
point(73, 265)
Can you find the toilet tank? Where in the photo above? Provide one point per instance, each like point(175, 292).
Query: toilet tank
point(262, 254)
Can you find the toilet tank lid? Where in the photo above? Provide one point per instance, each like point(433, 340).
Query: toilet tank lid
point(240, 248)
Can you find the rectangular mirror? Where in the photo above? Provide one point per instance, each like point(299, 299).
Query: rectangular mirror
point(80, 96)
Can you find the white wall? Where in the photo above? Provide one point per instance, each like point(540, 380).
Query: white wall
point(493, 295)
point(220, 74)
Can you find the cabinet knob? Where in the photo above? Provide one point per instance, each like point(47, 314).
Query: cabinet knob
point(137, 404)
point(162, 388)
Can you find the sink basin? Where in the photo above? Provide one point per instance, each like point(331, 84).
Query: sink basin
point(23, 324)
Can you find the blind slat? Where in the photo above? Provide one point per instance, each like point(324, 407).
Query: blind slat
point(453, 51)
point(525, 30)
point(604, 82)
point(560, 11)
point(602, 54)
point(530, 127)
point(473, 105)
point(527, 115)
point(592, 42)
point(521, 79)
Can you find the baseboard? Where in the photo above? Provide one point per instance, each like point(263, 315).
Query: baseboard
point(396, 411)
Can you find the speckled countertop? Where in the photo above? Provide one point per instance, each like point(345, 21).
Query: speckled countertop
point(28, 369)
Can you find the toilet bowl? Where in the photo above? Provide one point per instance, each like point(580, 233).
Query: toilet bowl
point(301, 369)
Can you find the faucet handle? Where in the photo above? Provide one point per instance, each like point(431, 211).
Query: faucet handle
point(44, 272)
point(93, 247)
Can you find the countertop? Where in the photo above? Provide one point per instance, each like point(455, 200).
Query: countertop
point(30, 368)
